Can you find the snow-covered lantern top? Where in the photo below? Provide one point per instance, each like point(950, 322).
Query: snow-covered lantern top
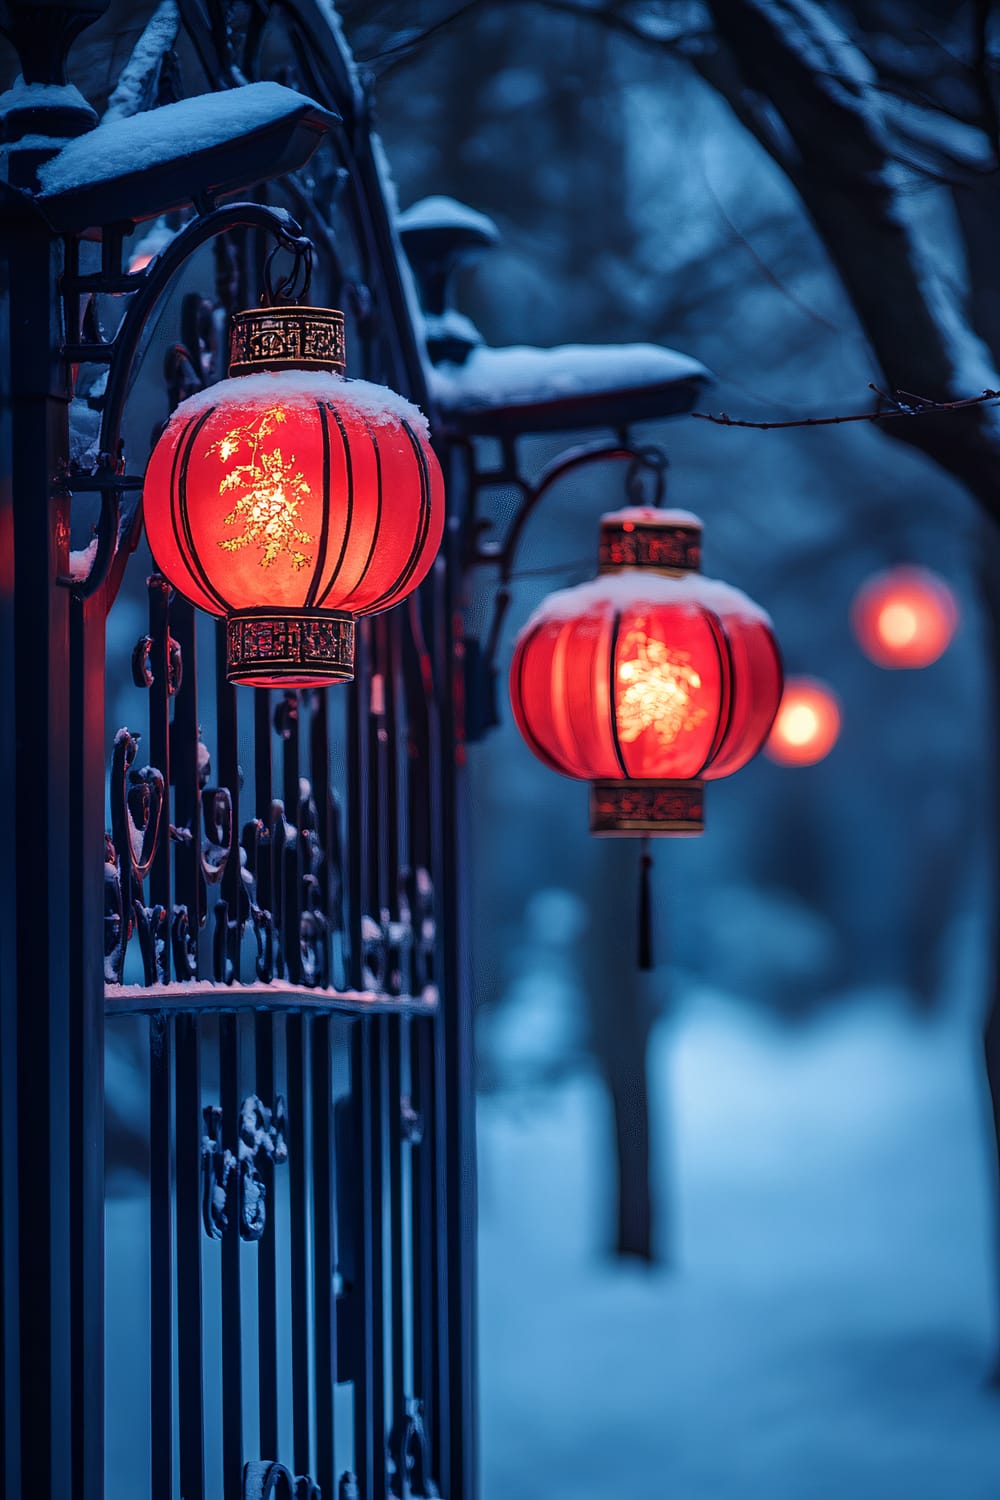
point(291, 500)
point(648, 680)
point(904, 617)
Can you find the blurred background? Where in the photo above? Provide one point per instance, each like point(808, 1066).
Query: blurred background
point(816, 1316)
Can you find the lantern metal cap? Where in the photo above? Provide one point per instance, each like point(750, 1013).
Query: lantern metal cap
point(630, 807)
point(287, 338)
point(293, 647)
point(642, 536)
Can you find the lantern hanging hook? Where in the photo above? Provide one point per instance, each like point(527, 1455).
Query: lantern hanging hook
point(648, 467)
point(294, 285)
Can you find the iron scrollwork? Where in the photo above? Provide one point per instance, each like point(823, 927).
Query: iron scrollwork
point(261, 1130)
point(265, 1480)
point(137, 805)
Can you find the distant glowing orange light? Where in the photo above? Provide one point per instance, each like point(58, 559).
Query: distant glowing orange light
point(807, 725)
point(905, 617)
point(141, 261)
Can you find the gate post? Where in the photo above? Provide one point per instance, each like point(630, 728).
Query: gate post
point(51, 904)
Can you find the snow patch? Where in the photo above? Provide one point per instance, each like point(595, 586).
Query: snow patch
point(651, 515)
point(140, 74)
point(146, 141)
point(81, 561)
point(305, 388)
point(522, 374)
point(441, 212)
point(23, 95)
point(639, 588)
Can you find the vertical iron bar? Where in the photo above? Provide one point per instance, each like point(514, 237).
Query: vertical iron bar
point(40, 888)
point(232, 1306)
point(324, 1252)
point(393, 1035)
point(267, 1273)
point(161, 1288)
point(189, 886)
point(357, 718)
point(426, 1342)
point(298, 1131)
point(159, 743)
point(87, 644)
point(188, 1129)
point(228, 907)
point(376, 1290)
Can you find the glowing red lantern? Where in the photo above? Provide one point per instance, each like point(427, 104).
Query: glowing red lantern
point(292, 500)
point(648, 680)
point(807, 724)
point(905, 617)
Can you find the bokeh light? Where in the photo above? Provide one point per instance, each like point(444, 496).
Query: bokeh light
point(904, 617)
point(807, 724)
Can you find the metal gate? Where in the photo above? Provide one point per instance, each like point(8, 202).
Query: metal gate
point(243, 903)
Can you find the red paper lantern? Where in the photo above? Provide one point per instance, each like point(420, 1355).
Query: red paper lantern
point(807, 725)
point(292, 500)
point(905, 617)
point(649, 680)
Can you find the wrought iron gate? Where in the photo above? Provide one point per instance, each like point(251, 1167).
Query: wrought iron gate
point(259, 925)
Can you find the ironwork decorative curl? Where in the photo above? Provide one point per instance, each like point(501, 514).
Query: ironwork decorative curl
point(266, 1480)
point(260, 1130)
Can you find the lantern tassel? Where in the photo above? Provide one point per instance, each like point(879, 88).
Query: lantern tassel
point(645, 908)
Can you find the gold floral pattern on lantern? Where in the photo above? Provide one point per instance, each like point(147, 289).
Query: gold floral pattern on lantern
point(271, 490)
point(657, 687)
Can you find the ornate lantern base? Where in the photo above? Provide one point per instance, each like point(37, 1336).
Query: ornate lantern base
point(647, 807)
point(289, 648)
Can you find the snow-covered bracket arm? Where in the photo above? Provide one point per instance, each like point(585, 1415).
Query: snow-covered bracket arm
point(124, 352)
point(135, 168)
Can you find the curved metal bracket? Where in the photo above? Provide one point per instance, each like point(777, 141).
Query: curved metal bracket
point(645, 484)
point(125, 350)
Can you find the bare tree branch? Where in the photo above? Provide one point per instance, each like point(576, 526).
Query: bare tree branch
point(903, 404)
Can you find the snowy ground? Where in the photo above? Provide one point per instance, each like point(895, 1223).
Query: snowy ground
point(826, 1330)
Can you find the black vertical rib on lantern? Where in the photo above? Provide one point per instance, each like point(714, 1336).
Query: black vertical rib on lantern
point(423, 525)
point(613, 683)
point(323, 1255)
point(190, 1377)
point(324, 536)
point(161, 1282)
point(349, 496)
point(720, 641)
point(231, 1293)
point(194, 561)
point(377, 528)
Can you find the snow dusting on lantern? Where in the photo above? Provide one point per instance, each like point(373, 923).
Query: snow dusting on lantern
point(807, 724)
point(649, 680)
point(291, 500)
point(905, 617)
